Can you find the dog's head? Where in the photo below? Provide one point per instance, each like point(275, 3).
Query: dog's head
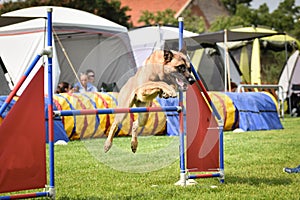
point(177, 69)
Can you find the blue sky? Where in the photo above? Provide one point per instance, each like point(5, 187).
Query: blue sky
point(272, 4)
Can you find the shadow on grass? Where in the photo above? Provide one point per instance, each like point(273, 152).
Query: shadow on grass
point(257, 180)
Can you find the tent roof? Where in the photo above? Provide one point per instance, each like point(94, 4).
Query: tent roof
point(63, 16)
point(231, 36)
point(277, 37)
point(251, 29)
point(153, 34)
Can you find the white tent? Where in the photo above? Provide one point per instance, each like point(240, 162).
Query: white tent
point(290, 75)
point(81, 41)
point(145, 40)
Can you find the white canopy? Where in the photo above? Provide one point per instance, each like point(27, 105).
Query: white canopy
point(145, 40)
point(80, 41)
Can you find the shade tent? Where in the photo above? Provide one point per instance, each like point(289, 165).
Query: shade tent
point(81, 41)
point(278, 41)
point(208, 59)
point(223, 39)
point(248, 53)
point(230, 35)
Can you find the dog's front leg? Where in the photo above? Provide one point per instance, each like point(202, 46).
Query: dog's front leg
point(141, 121)
point(134, 141)
point(109, 139)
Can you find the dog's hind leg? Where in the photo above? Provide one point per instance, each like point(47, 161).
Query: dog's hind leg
point(113, 129)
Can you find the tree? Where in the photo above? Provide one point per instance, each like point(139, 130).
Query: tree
point(285, 16)
point(191, 22)
point(110, 10)
point(231, 5)
point(165, 17)
point(244, 19)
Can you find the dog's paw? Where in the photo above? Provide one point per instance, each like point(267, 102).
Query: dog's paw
point(107, 146)
point(168, 94)
point(134, 145)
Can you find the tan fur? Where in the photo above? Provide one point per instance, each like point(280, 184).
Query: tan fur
point(157, 77)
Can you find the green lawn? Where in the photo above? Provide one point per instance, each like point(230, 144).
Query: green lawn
point(253, 168)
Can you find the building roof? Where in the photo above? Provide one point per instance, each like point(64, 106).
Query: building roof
point(138, 6)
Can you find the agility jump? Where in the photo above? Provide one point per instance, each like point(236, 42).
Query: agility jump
point(212, 129)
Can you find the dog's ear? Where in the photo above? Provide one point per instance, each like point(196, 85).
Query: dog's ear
point(166, 47)
point(168, 56)
point(184, 49)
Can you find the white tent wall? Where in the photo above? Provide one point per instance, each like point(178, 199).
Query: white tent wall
point(145, 40)
point(80, 33)
point(290, 74)
point(295, 79)
point(19, 47)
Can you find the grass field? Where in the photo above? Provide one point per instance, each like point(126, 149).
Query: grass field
point(253, 168)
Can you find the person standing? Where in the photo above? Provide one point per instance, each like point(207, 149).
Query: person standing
point(91, 76)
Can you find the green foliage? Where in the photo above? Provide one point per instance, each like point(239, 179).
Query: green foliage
point(231, 5)
point(161, 17)
point(191, 22)
point(271, 66)
point(222, 23)
point(284, 18)
point(111, 10)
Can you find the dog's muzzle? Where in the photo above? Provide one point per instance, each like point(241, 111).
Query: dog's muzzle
point(191, 80)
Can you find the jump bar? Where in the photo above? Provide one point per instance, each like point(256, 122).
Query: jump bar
point(116, 110)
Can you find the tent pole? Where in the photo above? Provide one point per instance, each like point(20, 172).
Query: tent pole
point(226, 61)
point(67, 56)
point(288, 77)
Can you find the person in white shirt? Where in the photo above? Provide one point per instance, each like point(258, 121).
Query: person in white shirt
point(85, 85)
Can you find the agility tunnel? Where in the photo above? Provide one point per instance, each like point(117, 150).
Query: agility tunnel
point(95, 126)
point(249, 111)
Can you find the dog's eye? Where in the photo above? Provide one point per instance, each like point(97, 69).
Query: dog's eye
point(181, 68)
